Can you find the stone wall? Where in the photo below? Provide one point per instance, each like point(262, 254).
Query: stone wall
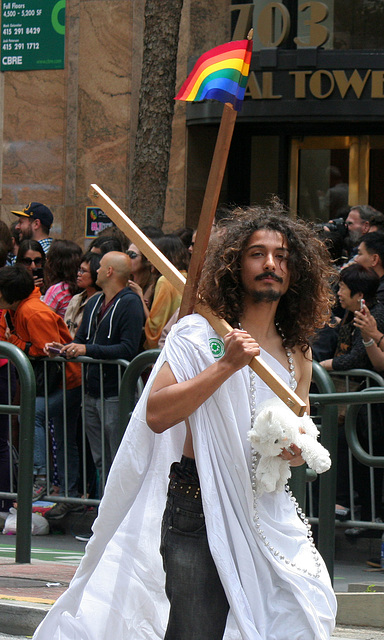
point(65, 129)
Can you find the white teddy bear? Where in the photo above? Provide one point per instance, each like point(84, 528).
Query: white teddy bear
point(276, 427)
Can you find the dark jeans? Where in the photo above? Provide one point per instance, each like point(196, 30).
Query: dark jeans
point(199, 606)
point(55, 411)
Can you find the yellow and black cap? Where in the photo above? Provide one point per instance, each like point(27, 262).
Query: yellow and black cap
point(37, 211)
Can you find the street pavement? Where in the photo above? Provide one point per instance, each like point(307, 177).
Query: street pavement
point(30, 589)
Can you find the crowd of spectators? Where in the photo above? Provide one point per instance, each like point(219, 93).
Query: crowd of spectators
point(109, 302)
point(355, 340)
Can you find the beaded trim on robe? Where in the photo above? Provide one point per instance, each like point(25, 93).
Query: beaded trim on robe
point(255, 458)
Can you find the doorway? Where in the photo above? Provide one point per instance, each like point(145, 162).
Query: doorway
point(328, 175)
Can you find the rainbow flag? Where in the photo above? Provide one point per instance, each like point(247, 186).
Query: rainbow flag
point(220, 74)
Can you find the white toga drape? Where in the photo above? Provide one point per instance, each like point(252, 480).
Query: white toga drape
point(267, 566)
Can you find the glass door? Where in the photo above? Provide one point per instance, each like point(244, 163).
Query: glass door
point(328, 175)
point(376, 164)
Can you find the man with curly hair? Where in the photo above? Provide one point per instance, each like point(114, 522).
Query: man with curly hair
point(238, 565)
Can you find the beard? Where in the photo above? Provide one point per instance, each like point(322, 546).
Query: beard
point(265, 296)
point(26, 234)
point(354, 236)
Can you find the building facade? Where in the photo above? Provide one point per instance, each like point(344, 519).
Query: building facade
point(311, 128)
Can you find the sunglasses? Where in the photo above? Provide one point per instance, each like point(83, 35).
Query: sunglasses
point(133, 254)
point(38, 262)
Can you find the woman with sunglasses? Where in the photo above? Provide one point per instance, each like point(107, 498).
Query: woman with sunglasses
point(31, 255)
point(143, 278)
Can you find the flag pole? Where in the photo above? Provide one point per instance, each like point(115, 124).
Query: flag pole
point(210, 202)
point(166, 268)
point(208, 210)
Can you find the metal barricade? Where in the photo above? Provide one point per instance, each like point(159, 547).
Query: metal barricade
point(371, 379)
point(26, 412)
point(130, 387)
point(324, 401)
point(121, 365)
point(327, 414)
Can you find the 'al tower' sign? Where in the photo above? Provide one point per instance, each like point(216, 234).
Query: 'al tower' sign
point(32, 35)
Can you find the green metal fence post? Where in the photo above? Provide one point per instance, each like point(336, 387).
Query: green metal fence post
point(327, 482)
point(26, 441)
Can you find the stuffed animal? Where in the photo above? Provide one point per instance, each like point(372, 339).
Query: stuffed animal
point(276, 427)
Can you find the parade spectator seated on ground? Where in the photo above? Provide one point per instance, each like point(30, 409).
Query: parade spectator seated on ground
point(29, 324)
point(34, 223)
point(166, 298)
point(356, 284)
point(86, 281)
point(110, 329)
point(143, 278)
point(60, 274)
point(31, 255)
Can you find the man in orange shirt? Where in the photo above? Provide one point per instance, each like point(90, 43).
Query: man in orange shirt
point(29, 324)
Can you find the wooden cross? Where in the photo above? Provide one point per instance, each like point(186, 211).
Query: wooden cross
point(167, 269)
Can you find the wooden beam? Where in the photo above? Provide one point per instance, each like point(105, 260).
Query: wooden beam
point(137, 237)
point(208, 210)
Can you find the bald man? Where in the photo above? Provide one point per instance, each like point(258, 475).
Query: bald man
point(111, 328)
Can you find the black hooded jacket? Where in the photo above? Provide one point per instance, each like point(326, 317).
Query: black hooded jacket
point(116, 335)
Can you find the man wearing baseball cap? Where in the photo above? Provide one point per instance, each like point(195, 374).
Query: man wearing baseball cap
point(34, 223)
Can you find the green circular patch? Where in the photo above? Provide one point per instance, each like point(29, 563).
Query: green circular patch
point(217, 347)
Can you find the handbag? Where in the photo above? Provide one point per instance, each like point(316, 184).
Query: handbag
point(54, 375)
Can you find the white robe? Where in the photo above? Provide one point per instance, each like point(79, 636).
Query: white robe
point(267, 566)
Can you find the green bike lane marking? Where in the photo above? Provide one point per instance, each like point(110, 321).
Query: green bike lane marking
point(49, 555)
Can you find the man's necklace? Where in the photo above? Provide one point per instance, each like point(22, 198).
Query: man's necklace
point(276, 552)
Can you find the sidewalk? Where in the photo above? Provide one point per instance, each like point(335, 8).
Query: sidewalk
point(28, 591)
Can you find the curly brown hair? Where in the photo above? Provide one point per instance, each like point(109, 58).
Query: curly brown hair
point(306, 306)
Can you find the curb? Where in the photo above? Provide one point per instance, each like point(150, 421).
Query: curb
point(360, 609)
point(21, 617)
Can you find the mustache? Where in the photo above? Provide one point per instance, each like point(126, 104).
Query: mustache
point(269, 274)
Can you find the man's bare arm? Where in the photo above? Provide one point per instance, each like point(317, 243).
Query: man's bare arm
point(170, 402)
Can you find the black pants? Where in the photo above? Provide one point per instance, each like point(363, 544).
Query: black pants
point(199, 606)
